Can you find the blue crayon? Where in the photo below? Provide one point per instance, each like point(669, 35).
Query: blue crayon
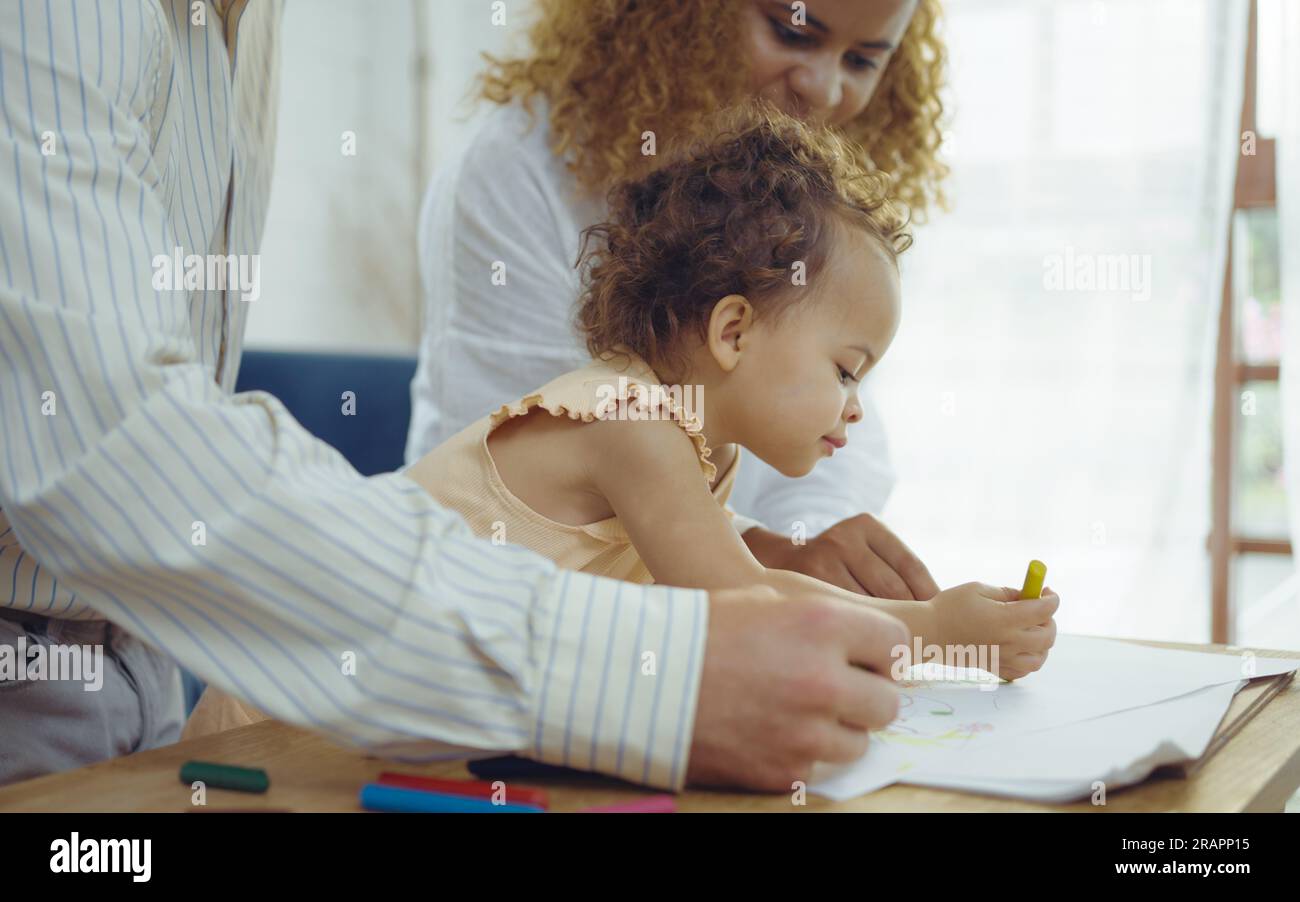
point(375, 797)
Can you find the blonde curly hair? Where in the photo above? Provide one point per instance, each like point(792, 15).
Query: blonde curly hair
point(610, 70)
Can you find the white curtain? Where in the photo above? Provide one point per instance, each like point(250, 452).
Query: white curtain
point(339, 269)
point(1050, 392)
point(1288, 211)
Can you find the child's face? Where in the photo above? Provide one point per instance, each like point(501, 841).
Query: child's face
point(799, 372)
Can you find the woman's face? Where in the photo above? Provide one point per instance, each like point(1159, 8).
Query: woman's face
point(821, 60)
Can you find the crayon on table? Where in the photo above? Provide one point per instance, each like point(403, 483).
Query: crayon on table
point(375, 797)
point(225, 776)
point(512, 767)
point(477, 789)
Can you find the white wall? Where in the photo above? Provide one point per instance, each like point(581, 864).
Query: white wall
point(339, 270)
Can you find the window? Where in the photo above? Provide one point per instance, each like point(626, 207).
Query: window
point(1252, 574)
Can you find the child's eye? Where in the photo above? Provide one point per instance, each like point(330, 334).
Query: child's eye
point(845, 376)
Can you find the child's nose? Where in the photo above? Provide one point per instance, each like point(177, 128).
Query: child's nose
point(853, 410)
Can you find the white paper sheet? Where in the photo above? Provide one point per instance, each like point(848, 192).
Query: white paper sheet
point(1099, 710)
point(1066, 763)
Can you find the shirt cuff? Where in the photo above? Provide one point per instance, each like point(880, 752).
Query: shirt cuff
point(618, 669)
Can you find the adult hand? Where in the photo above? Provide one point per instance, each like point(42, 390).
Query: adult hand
point(788, 681)
point(860, 554)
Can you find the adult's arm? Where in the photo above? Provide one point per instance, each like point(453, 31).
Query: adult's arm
point(219, 531)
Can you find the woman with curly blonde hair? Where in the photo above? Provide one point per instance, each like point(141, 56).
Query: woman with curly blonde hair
point(603, 84)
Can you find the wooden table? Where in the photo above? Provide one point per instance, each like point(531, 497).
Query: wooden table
point(1256, 770)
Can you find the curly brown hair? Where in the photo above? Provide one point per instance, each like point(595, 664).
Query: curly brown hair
point(612, 69)
point(732, 214)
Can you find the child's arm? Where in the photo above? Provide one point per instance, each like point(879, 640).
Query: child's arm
point(648, 472)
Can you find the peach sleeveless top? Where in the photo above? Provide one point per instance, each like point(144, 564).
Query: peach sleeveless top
point(462, 476)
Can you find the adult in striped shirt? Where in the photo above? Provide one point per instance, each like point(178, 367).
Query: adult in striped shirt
point(148, 510)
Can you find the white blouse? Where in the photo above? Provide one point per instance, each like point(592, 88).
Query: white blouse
point(499, 239)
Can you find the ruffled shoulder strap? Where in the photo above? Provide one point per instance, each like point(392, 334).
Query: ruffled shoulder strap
point(619, 384)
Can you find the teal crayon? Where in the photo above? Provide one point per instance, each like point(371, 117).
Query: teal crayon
point(225, 776)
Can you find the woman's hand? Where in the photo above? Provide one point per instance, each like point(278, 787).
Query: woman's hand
point(859, 554)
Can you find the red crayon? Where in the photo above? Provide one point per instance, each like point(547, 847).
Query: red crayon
point(474, 789)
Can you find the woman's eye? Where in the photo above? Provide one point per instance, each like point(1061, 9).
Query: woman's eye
point(789, 35)
point(861, 63)
point(856, 61)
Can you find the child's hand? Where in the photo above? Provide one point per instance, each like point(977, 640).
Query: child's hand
point(979, 614)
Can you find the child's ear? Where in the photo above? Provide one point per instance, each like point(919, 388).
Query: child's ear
point(729, 325)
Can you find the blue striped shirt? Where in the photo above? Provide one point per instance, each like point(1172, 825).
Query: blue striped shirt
point(135, 487)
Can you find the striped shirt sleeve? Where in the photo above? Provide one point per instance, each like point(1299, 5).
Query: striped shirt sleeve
point(219, 531)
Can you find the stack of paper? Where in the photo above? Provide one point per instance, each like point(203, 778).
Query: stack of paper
point(1099, 711)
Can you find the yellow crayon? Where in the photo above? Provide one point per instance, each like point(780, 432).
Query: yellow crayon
point(1033, 587)
point(1034, 580)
